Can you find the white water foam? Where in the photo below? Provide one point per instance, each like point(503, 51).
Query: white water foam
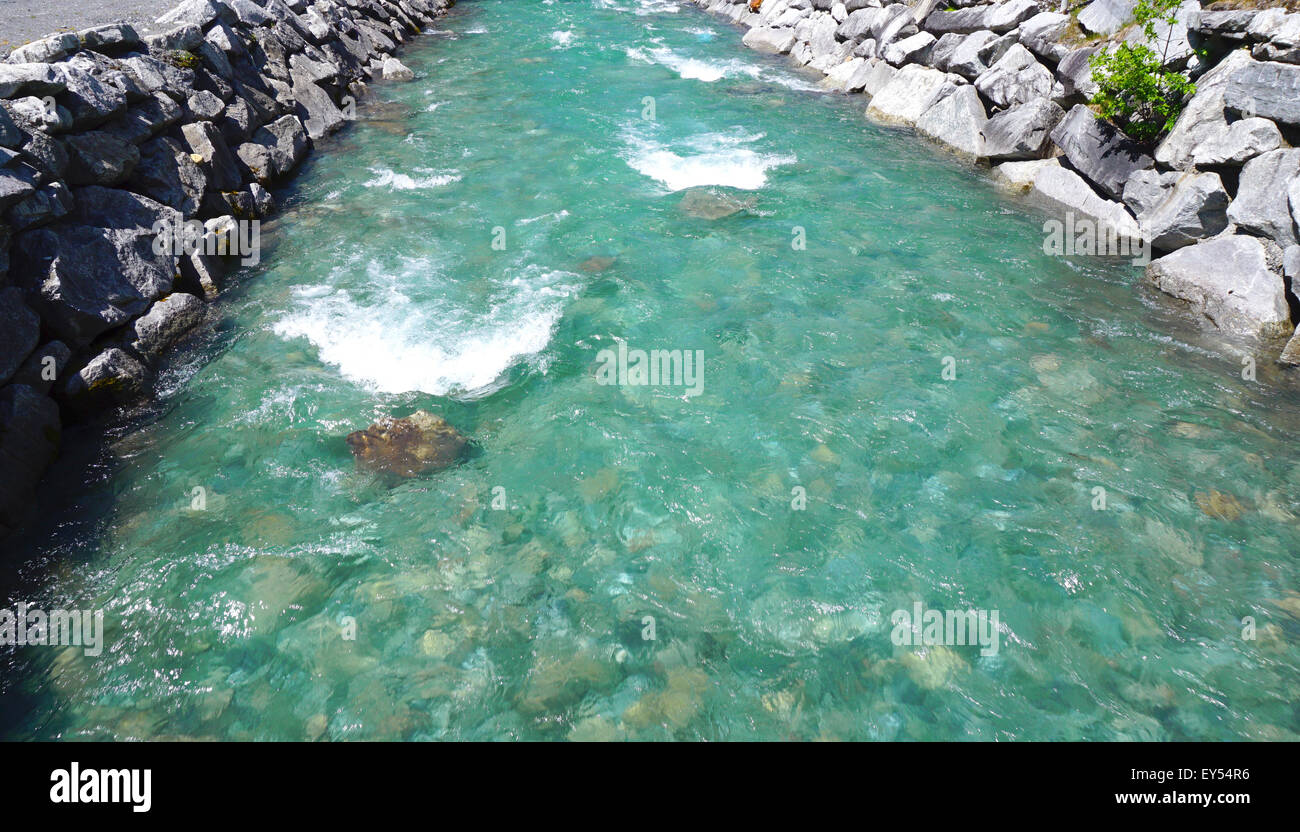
point(394, 181)
point(562, 39)
point(717, 159)
point(397, 339)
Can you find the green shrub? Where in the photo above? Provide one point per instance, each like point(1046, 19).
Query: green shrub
point(1135, 90)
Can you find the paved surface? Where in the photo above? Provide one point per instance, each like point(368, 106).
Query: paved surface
point(23, 21)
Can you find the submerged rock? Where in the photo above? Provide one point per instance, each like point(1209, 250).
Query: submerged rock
point(708, 204)
point(599, 263)
point(415, 444)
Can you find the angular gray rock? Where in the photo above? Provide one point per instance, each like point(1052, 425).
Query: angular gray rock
point(955, 120)
point(20, 330)
point(395, 70)
point(100, 158)
point(1228, 280)
point(1064, 191)
point(90, 101)
point(1016, 77)
point(1266, 89)
point(964, 58)
point(1098, 150)
point(166, 322)
point(772, 41)
point(1105, 17)
point(1075, 72)
point(29, 79)
point(111, 378)
point(1022, 132)
point(44, 367)
point(1148, 188)
point(1194, 209)
point(167, 174)
point(205, 141)
point(46, 50)
point(1040, 35)
point(909, 94)
point(1203, 116)
point(1261, 206)
point(1241, 142)
point(97, 268)
point(29, 441)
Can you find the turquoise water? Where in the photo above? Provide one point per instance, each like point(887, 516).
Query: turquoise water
point(381, 292)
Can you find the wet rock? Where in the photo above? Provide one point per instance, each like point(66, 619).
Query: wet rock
point(713, 204)
point(20, 329)
point(1018, 177)
point(1262, 205)
point(1058, 188)
point(1228, 280)
point(29, 441)
point(166, 322)
point(395, 70)
point(1098, 150)
point(1016, 78)
point(415, 444)
point(1022, 132)
point(97, 268)
point(596, 264)
point(111, 378)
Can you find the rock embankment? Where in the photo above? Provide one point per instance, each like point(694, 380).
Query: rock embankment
point(131, 171)
point(1007, 84)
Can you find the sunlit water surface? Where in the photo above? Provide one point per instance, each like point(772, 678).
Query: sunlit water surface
point(636, 511)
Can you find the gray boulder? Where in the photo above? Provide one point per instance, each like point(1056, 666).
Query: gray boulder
point(1022, 132)
point(10, 135)
point(1194, 209)
point(205, 141)
point(97, 268)
point(1203, 116)
point(167, 174)
point(100, 158)
point(1098, 150)
point(395, 70)
point(772, 41)
point(1040, 35)
point(1147, 188)
point(1266, 89)
point(112, 38)
point(109, 379)
point(1228, 280)
point(20, 330)
point(44, 367)
point(910, 50)
point(964, 59)
point(29, 441)
point(53, 201)
point(1105, 17)
point(1262, 206)
point(316, 109)
point(17, 182)
point(47, 50)
point(1241, 142)
point(1075, 72)
point(955, 120)
point(166, 322)
point(90, 101)
point(909, 94)
point(1064, 191)
point(37, 79)
point(1016, 78)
